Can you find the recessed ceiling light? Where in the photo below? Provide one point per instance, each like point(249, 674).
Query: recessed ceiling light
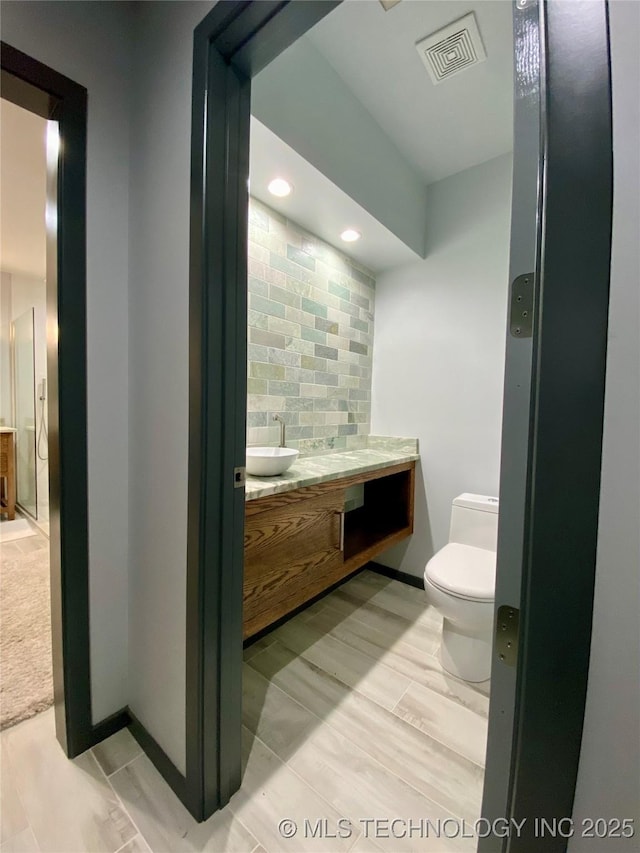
point(350, 235)
point(279, 187)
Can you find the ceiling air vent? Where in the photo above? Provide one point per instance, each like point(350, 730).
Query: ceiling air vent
point(452, 49)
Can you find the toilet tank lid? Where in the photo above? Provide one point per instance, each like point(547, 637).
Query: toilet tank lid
point(464, 571)
point(484, 503)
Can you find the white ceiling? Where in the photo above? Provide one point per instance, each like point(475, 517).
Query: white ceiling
point(23, 177)
point(441, 130)
point(318, 204)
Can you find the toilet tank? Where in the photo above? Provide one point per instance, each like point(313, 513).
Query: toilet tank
point(474, 521)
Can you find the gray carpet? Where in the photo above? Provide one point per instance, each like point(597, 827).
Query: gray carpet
point(25, 636)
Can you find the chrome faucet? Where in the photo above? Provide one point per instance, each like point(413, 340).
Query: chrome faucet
point(282, 429)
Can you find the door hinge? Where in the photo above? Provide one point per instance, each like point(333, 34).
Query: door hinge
point(507, 634)
point(521, 313)
point(239, 477)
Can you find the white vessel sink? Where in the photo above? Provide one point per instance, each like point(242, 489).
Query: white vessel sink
point(269, 461)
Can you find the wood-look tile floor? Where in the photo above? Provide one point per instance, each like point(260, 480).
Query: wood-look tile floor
point(348, 718)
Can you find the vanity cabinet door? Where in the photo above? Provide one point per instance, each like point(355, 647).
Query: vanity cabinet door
point(292, 553)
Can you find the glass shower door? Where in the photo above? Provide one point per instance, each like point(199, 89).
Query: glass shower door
point(25, 411)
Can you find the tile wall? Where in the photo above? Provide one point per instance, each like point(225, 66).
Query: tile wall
point(311, 312)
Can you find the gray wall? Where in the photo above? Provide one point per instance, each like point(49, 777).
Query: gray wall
point(609, 773)
point(305, 102)
point(89, 42)
point(158, 366)
point(438, 360)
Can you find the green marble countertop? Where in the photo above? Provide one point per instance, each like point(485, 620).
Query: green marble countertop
point(310, 470)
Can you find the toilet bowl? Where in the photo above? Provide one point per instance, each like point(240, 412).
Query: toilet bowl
point(460, 582)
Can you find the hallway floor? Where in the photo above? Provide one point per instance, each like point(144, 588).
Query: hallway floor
point(349, 724)
point(25, 623)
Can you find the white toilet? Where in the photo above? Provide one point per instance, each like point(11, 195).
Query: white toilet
point(460, 580)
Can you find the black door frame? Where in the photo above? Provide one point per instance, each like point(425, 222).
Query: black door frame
point(232, 44)
point(569, 124)
point(36, 87)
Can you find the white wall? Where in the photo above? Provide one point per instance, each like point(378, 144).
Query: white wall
point(609, 772)
point(5, 349)
point(90, 43)
point(29, 292)
point(438, 355)
point(158, 367)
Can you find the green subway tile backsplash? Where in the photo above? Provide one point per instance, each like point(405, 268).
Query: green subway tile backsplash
point(314, 335)
point(362, 277)
point(348, 308)
point(360, 301)
point(284, 356)
point(309, 362)
point(301, 258)
point(292, 269)
point(257, 353)
point(347, 429)
point(338, 290)
point(258, 216)
point(361, 325)
point(299, 404)
point(310, 338)
point(326, 378)
point(281, 294)
point(257, 320)
point(354, 346)
point(298, 374)
point(266, 306)
point(267, 339)
point(259, 287)
point(256, 386)
point(284, 327)
point(326, 352)
point(326, 326)
point(300, 346)
point(256, 419)
point(266, 371)
point(284, 389)
point(314, 307)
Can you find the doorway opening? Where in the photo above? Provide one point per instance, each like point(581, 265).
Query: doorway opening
point(24, 525)
point(233, 46)
point(47, 394)
point(379, 340)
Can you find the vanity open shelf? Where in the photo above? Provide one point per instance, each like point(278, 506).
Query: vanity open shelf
point(387, 512)
point(301, 542)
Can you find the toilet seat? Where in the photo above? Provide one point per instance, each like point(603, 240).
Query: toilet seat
point(463, 571)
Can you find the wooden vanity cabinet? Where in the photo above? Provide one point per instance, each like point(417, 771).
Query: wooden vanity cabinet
point(292, 551)
point(298, 544)
point(8, 474)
